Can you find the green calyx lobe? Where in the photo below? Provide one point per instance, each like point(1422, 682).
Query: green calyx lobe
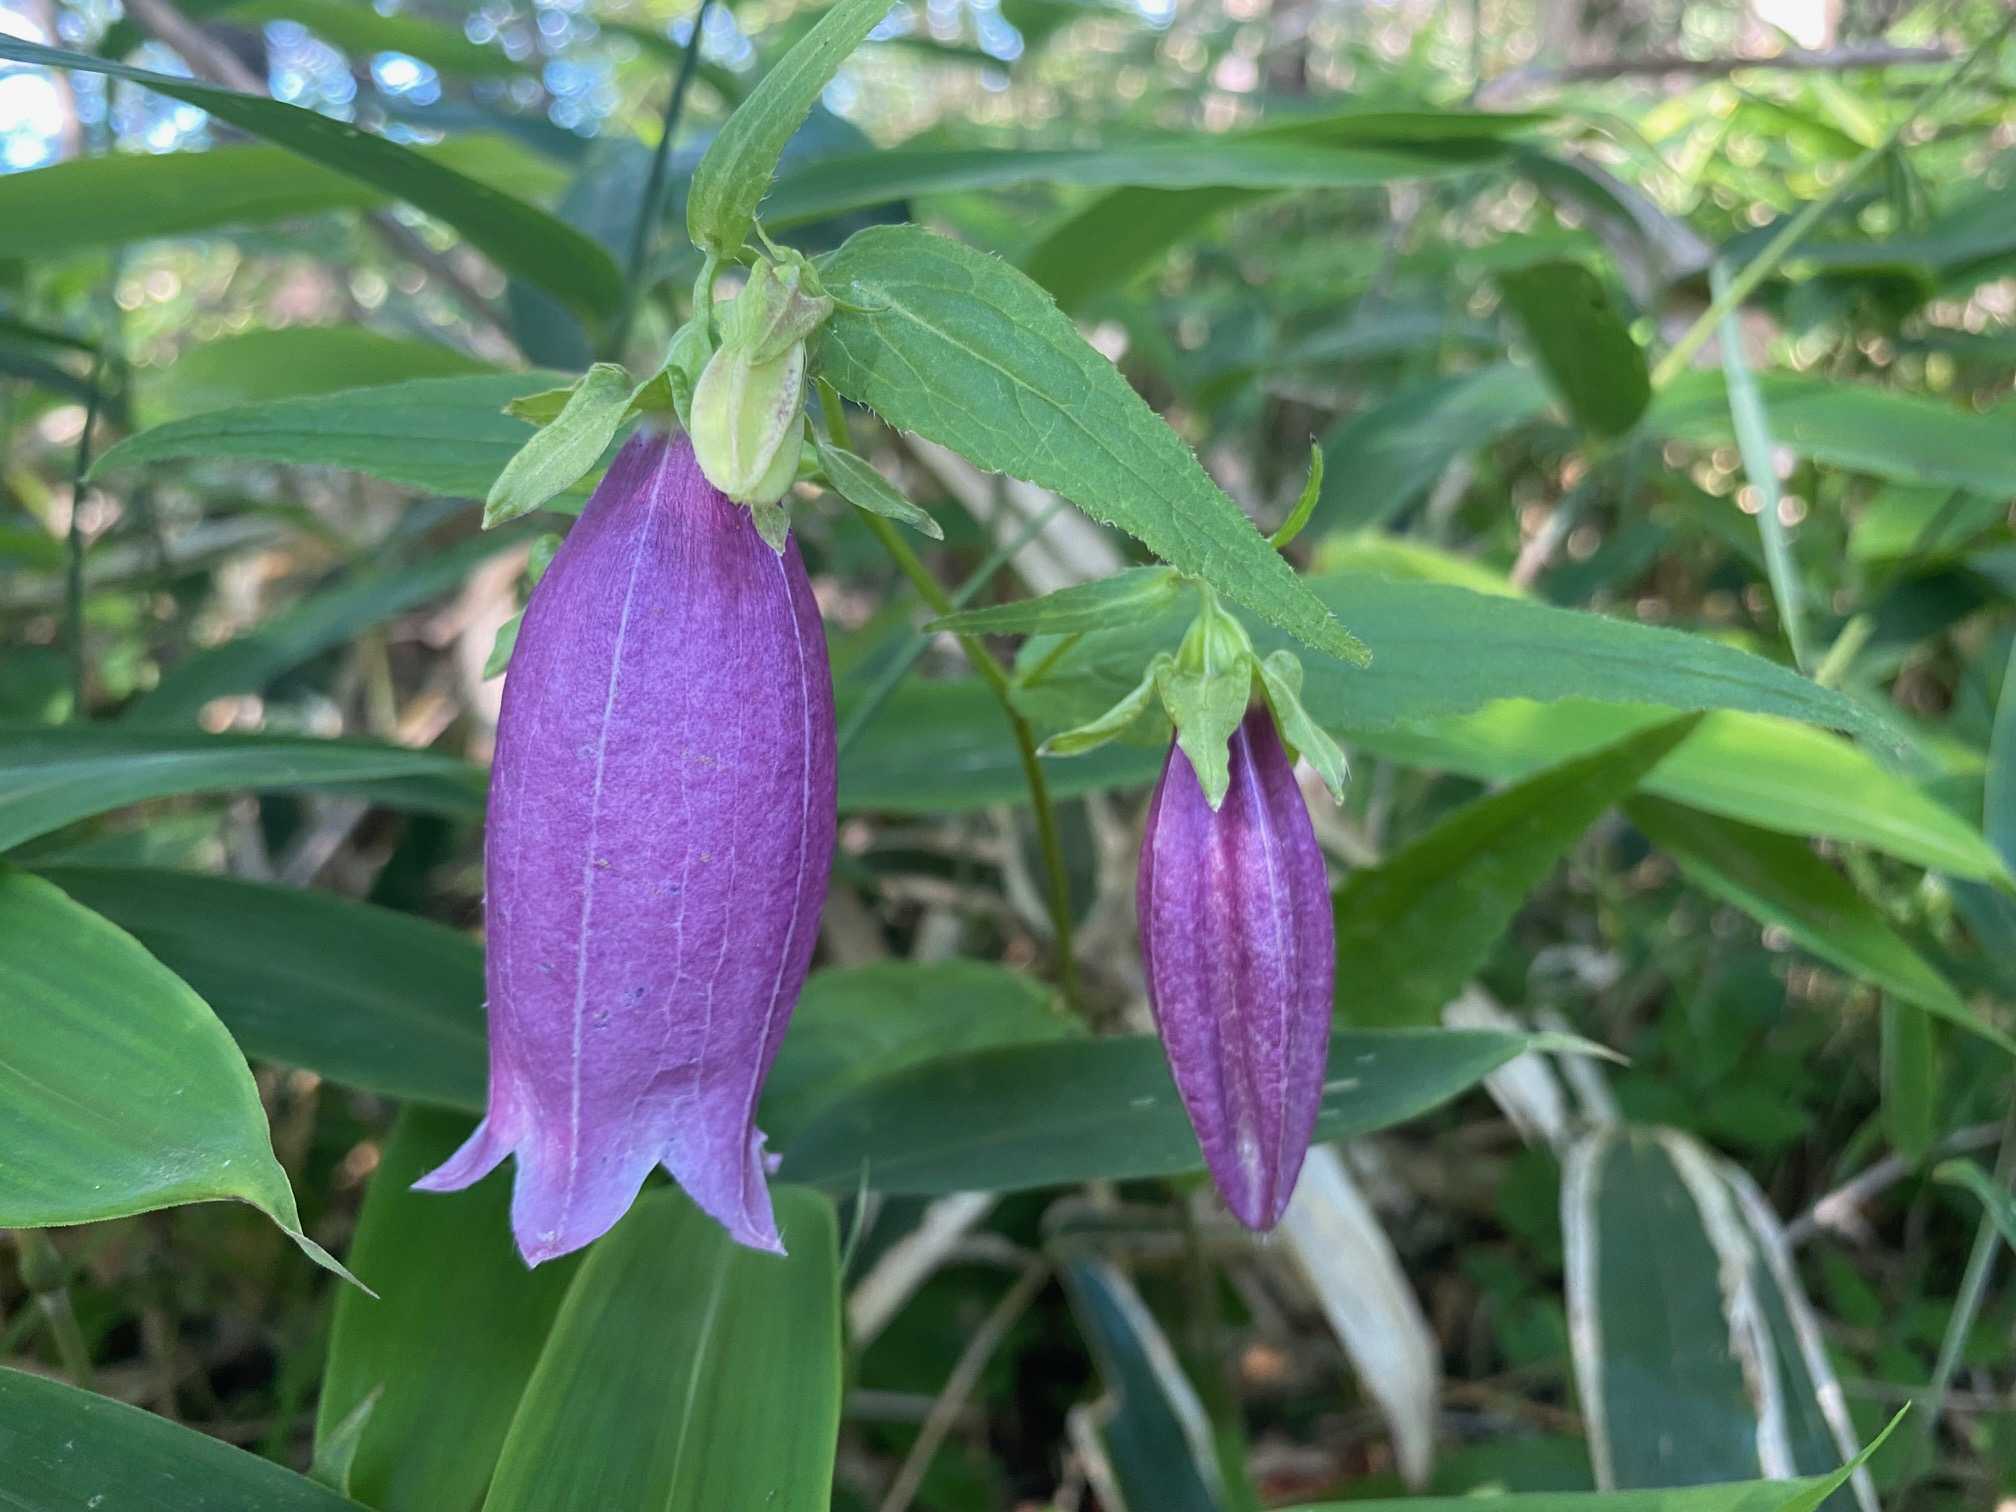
point(747, 412)
point(1205, 688)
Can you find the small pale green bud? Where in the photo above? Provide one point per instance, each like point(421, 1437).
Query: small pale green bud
point(748, 422)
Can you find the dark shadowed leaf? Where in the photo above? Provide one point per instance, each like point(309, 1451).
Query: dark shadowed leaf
point(1582, 342)
point(1078, 1110)
point(66, 1450)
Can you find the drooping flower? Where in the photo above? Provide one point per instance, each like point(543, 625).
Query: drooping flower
point(1241, 956)
point(660, 834)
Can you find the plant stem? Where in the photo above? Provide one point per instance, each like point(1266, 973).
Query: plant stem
point(73, 541)
point(1973, 1291)
point(651, 208)
point(46, 1275)
point(997, 678)
point(1765, 263)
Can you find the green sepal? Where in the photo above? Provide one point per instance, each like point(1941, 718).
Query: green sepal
point(1280, 675)
point(565, 449)
point(1117, 720)
point(542, 408)
point(772, 523)
point(780, 306)
point(1206, 708)
point(537, 560)
point(857, 481)
point(1312, 490)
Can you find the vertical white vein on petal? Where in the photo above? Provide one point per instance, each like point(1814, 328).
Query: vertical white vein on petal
point(1283, 948)
point(588, 867)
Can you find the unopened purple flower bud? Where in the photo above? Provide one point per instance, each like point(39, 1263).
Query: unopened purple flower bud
point(1241, 957)
point(660, 835)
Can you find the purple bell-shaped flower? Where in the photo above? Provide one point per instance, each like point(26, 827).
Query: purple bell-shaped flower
point(660, 835)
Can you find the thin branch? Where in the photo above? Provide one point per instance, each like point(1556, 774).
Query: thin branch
point(1837, 1209)
point(1522, 81)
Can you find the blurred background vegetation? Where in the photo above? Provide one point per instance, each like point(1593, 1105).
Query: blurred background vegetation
point(1873, 548)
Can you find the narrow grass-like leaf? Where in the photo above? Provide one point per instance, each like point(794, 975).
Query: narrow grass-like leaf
point(52, 776)
point(444, 435)
point(287, 362)
point(131, 197)
point(1753, 440)
point(954, 345)
point(1910, 1080)
point(1779, 881)
point(686, 1371)
point(1996, 1199)
point(1040, 1115)
point(120, 1092)
point(448, 1347)
point(517, 236)
point(1907, 437)
point(1762, 770)
point(1413, 929)
point(735, 174)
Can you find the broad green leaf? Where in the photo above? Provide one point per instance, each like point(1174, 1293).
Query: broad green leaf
point(519, 237)
point(855, 1024)
point(364, 30)
point(1733, 1496)
point(1906, 437)
point(1995, 1198)
point(564, 450)
point(1697, 1357)
point(443, 435)
point(954, 345)
point(52, 776)
point(1444, 650)
point(120, 1093)
point(1054, 1114)
point(1413, 929)
point(1754, 767)
point(856, 481)
point(66, 1450)
point(453, 1337)
point(1122, 599)
point(1779, 881)
point(735, 174)
point(1383, 459)
point(249, 662)
point(1582, 342)
point(1252, 161)
point(285, 363)
point(685, 1370)
point(943, 747)
point(365, 996)
point(127, 197)
point(1152, 1422)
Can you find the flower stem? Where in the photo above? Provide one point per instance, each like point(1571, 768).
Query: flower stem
point(996, 677)
point(651, 206)
point(46, 1275)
